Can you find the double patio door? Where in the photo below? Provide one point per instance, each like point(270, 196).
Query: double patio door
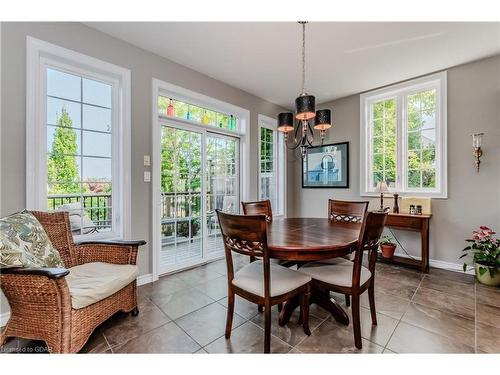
point(199, 174)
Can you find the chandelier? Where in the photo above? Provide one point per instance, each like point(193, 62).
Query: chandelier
point(305, 113)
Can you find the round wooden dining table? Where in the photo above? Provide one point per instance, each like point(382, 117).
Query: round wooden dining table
point(300, 240)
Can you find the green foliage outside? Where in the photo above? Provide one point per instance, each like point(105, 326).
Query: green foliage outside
point(421, 108)
point(266, 150)
point(62, 169)
point(181, 165)
point(64, 177)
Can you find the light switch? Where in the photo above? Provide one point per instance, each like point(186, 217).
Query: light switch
point(147, 176)
point(147, 160)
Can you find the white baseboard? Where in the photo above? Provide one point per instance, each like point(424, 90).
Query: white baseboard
point(456, 267)
point(145, 279)
point(4, 318)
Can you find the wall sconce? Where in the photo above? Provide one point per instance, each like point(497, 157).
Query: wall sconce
point(477, 140)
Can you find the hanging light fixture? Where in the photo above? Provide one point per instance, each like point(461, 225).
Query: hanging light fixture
point(305, 111)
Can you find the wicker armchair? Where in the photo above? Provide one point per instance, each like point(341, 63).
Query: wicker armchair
point(40, 299)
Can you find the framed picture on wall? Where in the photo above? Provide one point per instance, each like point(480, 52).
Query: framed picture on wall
point(326, 166)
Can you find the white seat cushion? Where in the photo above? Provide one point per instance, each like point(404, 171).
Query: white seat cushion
point(283, 280)
point(338, 272)
point(92, 282)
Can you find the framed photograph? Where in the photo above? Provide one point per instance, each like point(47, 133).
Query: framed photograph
point(326, 166)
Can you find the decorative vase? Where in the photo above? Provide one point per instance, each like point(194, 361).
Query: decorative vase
point(388, 250)
point(486, 279)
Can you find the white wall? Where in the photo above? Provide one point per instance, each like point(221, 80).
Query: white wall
point(144, 66)
point(474, 199)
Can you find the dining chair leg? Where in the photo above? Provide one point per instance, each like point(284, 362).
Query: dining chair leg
point(371, 299)
point(347, 300)
point(230, 312)
point(267, 328)
point(304, 310)
point(356, 324)
point(280, 307)
point(260, 308)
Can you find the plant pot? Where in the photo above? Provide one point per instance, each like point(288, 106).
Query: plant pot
point(388, 250)
point(486, 279)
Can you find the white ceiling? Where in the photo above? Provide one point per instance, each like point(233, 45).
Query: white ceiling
point(343, 58)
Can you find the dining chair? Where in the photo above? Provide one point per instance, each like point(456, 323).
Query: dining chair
point(260, 282)
point(258, 207)
point(345, 212)
point(351, 277)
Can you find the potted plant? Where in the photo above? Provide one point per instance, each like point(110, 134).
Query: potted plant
point(485, 249)
point(387, 246)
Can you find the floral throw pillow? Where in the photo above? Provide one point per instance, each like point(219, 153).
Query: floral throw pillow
point(23, 242)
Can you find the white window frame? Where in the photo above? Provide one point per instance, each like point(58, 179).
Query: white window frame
point(400, 91)
point(170, 90)
point(279, 162)
point(40, 56)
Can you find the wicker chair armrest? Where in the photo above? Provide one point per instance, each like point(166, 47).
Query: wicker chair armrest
point(114, 242)
point(51, 273)
point(117, 252)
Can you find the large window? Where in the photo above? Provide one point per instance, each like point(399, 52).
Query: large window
point(271, 165)
point(403, 137)
point(200, 165)
point(81, 118)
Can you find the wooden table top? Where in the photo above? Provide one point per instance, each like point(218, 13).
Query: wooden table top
point(307, 239)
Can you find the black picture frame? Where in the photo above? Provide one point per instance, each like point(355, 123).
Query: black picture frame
point(312, 182)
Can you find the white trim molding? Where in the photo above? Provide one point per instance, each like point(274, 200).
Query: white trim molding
point(399, 93)
point(242, 133)
point(41, 55)
point(145, 279)
point(455, 267)
point(279, 162)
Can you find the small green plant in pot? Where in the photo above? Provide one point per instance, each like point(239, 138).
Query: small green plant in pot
point(485, 251)
point(387, 246)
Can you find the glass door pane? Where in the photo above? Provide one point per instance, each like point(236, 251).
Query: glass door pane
point(222, 186)
point(181, 198)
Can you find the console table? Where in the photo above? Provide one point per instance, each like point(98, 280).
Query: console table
point(414, 223)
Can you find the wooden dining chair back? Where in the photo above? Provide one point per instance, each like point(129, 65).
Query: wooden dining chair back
point(258, 208)
point(259, 282)
point(245, 235)
point(346, 211)
point(369, 236)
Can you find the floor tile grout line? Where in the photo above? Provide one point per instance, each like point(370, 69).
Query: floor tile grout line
point(407, 307)
point(107, 342)
point(301, 341)
point(133, 338)
point(255, 324)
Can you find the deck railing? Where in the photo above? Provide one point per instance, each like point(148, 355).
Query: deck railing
point(185, 207)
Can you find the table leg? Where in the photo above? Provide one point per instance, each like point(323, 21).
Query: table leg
point(319, 297)
point(322, 299)
point(288, 309)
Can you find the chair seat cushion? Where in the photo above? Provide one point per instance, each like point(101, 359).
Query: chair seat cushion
point(337, 272)
point(92, 282)
point(283, 280)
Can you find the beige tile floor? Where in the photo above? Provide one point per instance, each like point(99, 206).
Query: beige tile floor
point(441, 312)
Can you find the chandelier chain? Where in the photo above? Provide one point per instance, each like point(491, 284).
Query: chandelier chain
point(303, 58)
